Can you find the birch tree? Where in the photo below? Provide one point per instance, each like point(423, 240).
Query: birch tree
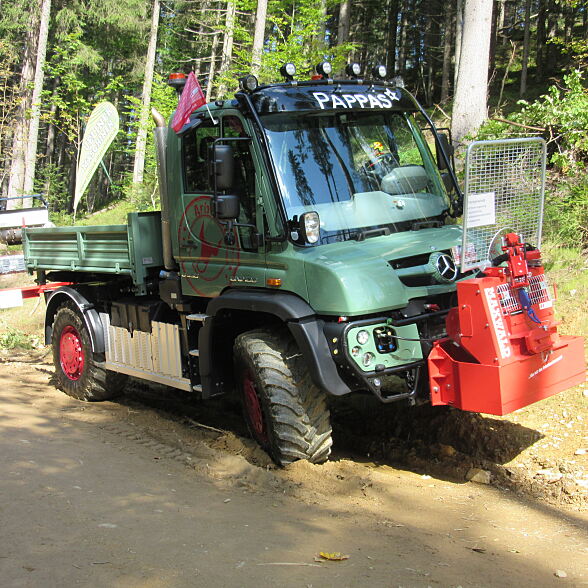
point(470, 105)
point(139, 166)
point(33, 131)
point(17, 164)
point(259, 36)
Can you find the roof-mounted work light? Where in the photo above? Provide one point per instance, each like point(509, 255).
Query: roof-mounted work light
point(379, 72)
point(353, 70)
point(288, 71)
point(324, 69)
point(248, 83)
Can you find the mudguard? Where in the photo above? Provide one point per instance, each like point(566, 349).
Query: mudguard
point(301, 320)
point(87, 311)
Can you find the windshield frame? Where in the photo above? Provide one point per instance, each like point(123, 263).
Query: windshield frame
point(428, 163)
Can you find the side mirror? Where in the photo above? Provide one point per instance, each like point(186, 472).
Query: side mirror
point(223, 166)
point(443, 144)
point(227, 206)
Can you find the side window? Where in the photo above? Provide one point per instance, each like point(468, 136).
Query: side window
point(244, 179)
point(197, 149)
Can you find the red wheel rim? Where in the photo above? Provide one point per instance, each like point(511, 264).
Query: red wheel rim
point(71, 353)
point(253, 408)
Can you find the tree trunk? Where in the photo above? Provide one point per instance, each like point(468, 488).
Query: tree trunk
point(526, 42)
point(392, 35)
point(259, 36)
point(212, 70)
point(403, 39)
point(33, 134)
point(227, 53)
point(470, 105)
point(458, 38)
point(17, 164)
point(540, 48)
point(139, 166)
point(552, 51)
point(447, 36)
point(344, 21)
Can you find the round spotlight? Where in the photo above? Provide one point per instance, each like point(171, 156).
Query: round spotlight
point(324, 69)
point(379, 72)
point(288, 71)
point(353, 70)
point(363, 337)
point(248, 83)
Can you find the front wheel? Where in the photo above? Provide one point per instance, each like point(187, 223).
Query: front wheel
point(80, 373)
point(285, 412)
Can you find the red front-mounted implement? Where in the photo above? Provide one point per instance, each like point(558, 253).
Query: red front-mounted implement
point(502, 351)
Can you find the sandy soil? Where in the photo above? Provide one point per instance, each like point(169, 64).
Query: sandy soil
point(158, 490)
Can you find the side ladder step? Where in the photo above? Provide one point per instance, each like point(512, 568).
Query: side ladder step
point(194, 352)
point(197, 388)
point(197, 317)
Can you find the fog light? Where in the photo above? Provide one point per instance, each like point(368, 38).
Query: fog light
point(368, 359)
point(363, 337)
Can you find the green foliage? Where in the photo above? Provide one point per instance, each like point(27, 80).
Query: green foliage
point(12, 338)
point(566, 212)
point(563, 112)
point(51, 181)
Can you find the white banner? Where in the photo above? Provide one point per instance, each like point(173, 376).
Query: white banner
point(101, 130)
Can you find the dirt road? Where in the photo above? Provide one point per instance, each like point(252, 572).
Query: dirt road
point(127, 495)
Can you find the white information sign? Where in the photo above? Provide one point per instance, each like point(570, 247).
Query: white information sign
point(10, 298)
point(481, 210)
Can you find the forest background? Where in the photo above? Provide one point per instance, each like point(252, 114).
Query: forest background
point(59, 58)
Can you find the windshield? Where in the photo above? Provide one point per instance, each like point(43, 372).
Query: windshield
point(359, 171)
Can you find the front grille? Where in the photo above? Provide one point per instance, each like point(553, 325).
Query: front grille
point(420, 277)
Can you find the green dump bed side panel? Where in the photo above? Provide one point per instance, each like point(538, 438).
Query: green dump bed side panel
point(109, 249)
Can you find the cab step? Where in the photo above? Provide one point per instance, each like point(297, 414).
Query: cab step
point(197, 317)
point(194, 352)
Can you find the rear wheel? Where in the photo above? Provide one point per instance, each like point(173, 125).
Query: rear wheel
point(80, 372)
point(285, 412)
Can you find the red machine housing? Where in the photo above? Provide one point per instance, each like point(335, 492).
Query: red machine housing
point(501, 354)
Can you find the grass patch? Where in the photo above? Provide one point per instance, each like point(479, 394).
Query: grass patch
point(22, 326)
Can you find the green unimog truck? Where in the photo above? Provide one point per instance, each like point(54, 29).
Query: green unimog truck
point(305, 249)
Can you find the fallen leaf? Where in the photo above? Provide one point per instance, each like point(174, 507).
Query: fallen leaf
point(333, 556)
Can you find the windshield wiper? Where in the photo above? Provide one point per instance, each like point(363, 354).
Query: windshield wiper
point(363, 235)
point(428, 224)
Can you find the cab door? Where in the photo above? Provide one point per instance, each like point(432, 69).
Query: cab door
point(209, 260)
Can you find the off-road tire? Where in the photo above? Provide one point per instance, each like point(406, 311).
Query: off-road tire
point(79, 372)
point(293, 418)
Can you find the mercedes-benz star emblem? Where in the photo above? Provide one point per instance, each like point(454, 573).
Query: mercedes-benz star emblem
point(444, 266)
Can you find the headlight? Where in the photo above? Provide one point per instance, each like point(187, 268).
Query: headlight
point(310, 227)
point(368, 359)
point(356, 351)
point(363, 337)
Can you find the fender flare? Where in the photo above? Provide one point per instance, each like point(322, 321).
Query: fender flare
point(296, 314)
point(87, 311)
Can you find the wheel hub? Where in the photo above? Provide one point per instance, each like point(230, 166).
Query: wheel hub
point(71, 353)
point(253, 408)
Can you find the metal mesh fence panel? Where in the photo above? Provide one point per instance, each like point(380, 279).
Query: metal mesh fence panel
point(504, 191)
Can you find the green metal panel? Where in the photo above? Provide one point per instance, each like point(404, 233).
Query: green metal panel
point(110, 249)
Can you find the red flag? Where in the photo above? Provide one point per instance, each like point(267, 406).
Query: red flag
point(191, 99)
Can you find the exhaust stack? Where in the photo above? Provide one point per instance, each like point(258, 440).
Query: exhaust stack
point(160, 137)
